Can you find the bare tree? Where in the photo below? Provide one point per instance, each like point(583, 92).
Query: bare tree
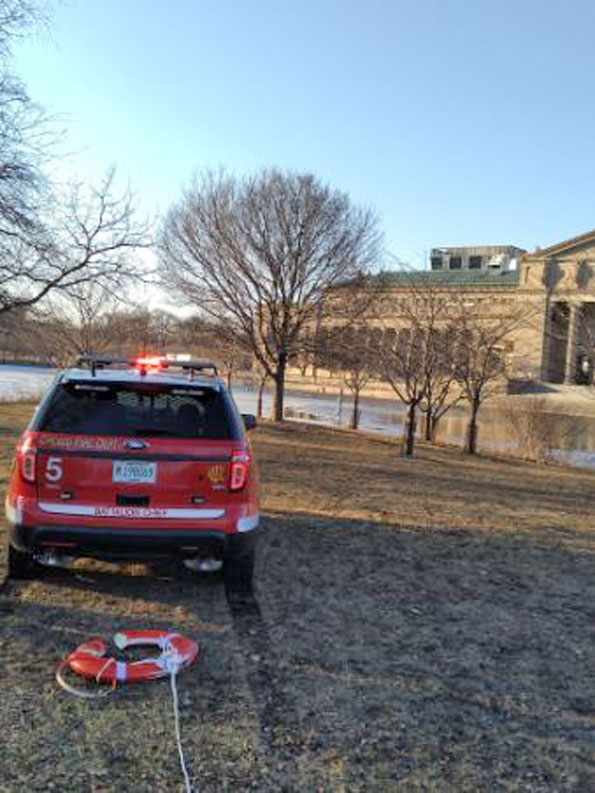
point(416, 352)
point(403, 368)
point(263, 254)
point(357, 376)
point(426, 306)
point(17, 19)
point(352, 350)
point(217, 342)
point(95, 238)
point(443, 343)
point(442, 390)
point(263, 376)
point(48, 241)
point(229, 351)
point(24, 139)
point(140, 330)
point(534, 432)
point(191, 334)
point(482, 347)
point(86, 319)
point(18, 338)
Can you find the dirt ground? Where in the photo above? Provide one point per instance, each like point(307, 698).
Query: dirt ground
point(415, 625)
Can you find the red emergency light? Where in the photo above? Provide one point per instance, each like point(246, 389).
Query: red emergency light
point(150, 363)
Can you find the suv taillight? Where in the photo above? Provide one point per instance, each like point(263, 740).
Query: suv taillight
point(27, 457)
point(240, 462)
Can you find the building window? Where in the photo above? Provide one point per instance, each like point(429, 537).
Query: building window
point(475, 262)
point(436, 262)
point(455, 263)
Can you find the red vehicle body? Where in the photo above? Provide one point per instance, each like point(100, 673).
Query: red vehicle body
point(132, 461)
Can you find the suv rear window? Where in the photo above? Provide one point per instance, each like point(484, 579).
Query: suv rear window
point(145, 410)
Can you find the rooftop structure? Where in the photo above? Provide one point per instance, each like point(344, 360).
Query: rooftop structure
point(490, 258)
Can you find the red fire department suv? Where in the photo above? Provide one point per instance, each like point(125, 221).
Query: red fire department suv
point(137, 460)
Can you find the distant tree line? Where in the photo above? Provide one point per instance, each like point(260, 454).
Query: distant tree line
point(54, 338)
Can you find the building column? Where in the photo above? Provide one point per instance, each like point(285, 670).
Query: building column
point(571, 344)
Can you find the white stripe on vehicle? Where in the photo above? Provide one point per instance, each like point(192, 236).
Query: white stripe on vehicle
point(96, 511)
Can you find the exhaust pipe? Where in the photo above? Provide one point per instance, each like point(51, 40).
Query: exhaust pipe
point(203, 565)
point(51, 559)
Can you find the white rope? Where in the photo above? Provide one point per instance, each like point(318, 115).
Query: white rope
point(172, 664)
point(174, 691)
point(105, 667)
point(79, 692)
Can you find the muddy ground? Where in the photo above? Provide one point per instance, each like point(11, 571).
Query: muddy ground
point(415, 625)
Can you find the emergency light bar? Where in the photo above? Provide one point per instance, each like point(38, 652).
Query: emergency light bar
point(145, 363)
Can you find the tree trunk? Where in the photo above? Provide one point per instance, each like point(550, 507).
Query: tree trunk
point(279, 388)
point(472, 430)
point(355, 413)
point(429, 426)
point(260, 398)
point(229, 375)
point(410, 439)
point(433, 428)
point(340, 408)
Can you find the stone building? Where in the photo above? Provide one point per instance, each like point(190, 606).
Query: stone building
point(552, 288)
point(556, 285)
point(562, 277)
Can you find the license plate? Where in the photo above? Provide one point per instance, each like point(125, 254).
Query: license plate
point(134, 471)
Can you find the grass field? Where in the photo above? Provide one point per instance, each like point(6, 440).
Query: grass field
point(415, 625)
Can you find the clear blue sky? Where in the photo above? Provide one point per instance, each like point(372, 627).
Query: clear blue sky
point(458, 121)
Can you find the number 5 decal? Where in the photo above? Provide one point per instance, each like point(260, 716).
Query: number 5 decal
point(53, 471)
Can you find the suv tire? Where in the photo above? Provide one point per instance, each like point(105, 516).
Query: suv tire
point(20, 565)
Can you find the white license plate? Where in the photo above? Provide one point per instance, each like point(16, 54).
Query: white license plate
point(134, 471)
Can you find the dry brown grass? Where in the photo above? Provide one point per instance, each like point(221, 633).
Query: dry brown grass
point(344, 475)
point(416, 625)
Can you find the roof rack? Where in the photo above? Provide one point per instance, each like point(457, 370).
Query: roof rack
point(143, 363)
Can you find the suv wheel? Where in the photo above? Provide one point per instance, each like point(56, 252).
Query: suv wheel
point(238, 564)
point(20, 565)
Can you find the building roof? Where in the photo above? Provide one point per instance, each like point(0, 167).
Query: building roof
point(587, 239)
point(454, 278)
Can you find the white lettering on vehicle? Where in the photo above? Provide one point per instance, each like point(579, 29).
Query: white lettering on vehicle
point(146, 513)
point(130, 512)
point(53, 469)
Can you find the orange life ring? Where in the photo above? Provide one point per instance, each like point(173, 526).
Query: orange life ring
point(89, 659)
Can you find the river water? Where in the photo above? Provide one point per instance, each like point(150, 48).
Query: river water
point(571, 438)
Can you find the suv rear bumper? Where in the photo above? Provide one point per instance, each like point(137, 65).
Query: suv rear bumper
point(111, 543)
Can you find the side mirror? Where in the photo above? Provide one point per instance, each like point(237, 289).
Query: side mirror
point(249, 421)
